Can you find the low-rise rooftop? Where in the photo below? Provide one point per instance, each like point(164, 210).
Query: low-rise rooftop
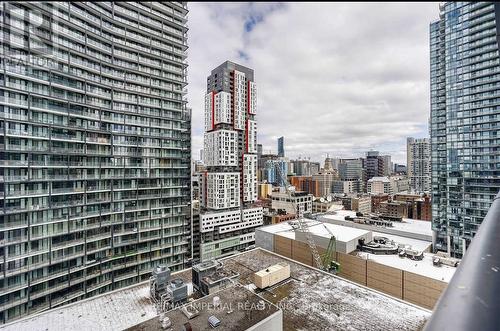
point(237, 309)
point(315, 300)
point(116, 310)
point(424, 267)
point(317, 228)
point(309, 299)
point(411, 228)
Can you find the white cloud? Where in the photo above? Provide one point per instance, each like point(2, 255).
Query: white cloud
point(333, 78)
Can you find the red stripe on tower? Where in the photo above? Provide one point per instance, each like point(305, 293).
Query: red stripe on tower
point(206, 188)
point(233, 98)
point(242, 179)
point(246, 135)
point(213, 110)
point(248, 97)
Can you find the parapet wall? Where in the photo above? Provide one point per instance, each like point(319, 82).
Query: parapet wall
point(417, 289)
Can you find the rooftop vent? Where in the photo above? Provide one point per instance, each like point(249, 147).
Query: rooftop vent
point(190, 311)
point(213, 321)
point(166, 323)
point(216, 301)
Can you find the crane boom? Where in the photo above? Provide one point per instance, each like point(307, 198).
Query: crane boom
point(302, 225)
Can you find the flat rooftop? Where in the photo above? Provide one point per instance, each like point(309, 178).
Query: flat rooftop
point(309, 300)
point(239, 309)
point(416, 244)
point(424, 267)
point(341, 233)
point(315, 300)
point(116, 310)
point(408, 227)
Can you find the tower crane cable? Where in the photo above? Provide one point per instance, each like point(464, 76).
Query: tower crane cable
point(302, 224)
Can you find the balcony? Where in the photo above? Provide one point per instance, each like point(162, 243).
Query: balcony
point(471, 300)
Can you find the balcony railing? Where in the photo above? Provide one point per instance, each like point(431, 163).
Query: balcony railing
point(472, 299)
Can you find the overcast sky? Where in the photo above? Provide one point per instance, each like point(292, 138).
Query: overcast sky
point(337, 78)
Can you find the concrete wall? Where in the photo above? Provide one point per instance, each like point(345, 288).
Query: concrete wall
point(283, 246)
point(417, 289)
point(264, 239)
point(273, 322)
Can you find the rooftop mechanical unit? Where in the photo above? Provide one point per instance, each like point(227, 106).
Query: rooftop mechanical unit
point(272, 275)
point(213, 321)
point(203, 269)
point(210, 276)
point(379, 246)
point(411, 254)
point(160, 277)
point(178, 290)
point(164, 292)
point(190, 311)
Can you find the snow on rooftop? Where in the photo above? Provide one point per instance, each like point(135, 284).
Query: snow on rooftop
point(341, 233)
point(316, 300)
point(407, 225)
point(423, 267)
point(379, 179)
point(416, 244)
point(310, 299)
point(116, 310)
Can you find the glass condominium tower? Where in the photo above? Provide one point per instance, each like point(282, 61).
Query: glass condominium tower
point(94, 149)
point(465, 120)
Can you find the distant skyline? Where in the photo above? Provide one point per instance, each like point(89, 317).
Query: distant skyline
point(332, 78)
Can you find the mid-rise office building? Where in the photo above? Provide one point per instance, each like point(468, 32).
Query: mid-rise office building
point(263, 158)
point(351, 169)
point(275, 170)
point(399, 169)
point(419, 206)
point(388, 185)
point(464, 125)
point(386, 159)
point(297, 203)
point(95, 149)
point(303, 167)
point(418, 155)
point(229, 185)
point(359, 203)
point(304, 183)
point(347, 186)
point(351, 176)
point(374, 165)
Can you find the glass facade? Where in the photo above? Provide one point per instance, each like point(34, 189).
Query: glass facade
point(465, 120)
point(94, 149)
point(281, 146)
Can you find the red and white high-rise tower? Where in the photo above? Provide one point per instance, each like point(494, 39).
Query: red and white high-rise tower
point(229, 185)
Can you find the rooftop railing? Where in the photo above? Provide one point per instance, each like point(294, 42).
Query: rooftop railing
point(472, 299)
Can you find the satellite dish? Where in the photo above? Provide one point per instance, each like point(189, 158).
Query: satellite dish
point(329, 198)
point(322, 199)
